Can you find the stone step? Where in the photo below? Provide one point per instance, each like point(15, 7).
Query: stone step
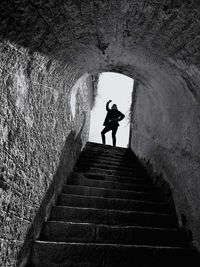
point(58, 231)
point(111, 172)
point(107, 155)
point(113, 178)
point(113, 185)
point(92, 145)
point(109, 160)
point(111, 203)
point(112, 217)
point(107, 148)
point(109, 193)
point(88, 165)
point(85, 157)
point(105, 165)
point(61, 254)
point(106, 152)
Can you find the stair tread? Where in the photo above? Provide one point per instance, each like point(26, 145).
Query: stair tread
point(89, 173)
point(106, 189)
point(105, 160)
point(112, 217)
point(106, 164)
point(122, 211)
point(90, 143)
point(109, 149)
point(109, 190)
point(102, 233)
point(116, 177)
point(118, 245)
point(115, 226)
point(112, 185)
point(111, 203)
point(98, 233)
point(111, 255)
point(117, 199)
point(102, 167)
point(105, 155)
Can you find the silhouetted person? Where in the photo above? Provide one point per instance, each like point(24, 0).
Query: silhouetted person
point(111, 122)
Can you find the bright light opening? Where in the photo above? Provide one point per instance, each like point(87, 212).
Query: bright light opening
point(118, 88)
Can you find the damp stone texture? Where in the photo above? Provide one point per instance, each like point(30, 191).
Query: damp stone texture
point(165, 124)
point(44, 123)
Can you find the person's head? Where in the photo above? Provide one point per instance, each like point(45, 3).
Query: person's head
point(114, 106)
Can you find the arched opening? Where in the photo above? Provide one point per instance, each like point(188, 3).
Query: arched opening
point(118, 88)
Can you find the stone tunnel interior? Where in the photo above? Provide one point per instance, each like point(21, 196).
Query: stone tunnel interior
point(51, 54)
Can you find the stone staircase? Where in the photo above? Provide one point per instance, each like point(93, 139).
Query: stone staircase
point(110, 214)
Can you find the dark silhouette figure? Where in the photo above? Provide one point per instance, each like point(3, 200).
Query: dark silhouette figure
point(111, 122)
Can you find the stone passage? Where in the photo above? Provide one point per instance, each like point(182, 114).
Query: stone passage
point(110, 214)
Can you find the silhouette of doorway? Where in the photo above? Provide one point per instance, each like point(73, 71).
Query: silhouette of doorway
point(118, 88)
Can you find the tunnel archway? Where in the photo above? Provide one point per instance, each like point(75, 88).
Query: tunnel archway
point(47, 46)
point(118, 88)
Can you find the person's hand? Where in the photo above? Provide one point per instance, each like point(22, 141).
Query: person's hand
point(109, 101)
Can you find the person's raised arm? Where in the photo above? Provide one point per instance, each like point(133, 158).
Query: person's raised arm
point(107, 105)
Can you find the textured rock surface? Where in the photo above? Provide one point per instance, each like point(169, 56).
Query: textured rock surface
point(165, 131)
point(48, 45)
point(43, 117)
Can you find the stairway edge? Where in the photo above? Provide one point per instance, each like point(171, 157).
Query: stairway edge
point(116, 226)
point(117, 245)
point(115, 199)
point(110, 189)
point(112, 210)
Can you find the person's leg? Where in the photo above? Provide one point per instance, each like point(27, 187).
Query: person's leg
point(114, 131)
point(105, 130)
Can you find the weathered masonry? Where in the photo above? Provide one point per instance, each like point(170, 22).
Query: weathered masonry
point(50, 54)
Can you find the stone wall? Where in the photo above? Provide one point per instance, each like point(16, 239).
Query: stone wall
point(44, 123)
point(165, 135)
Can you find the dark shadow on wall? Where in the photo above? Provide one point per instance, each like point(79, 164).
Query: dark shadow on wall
point(69, 155)
point(25, 25)
point(166, 193)
point(31, 24)
point(159, 182)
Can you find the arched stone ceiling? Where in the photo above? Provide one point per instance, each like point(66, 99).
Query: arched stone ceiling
point(124, 36)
